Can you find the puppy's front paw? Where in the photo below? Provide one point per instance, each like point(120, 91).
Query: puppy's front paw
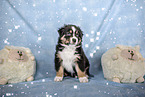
point(83, 79)
point(58, 79)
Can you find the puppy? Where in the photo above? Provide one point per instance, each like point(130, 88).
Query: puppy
point(70, 59)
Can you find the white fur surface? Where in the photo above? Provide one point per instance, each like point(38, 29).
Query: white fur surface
point(127, 71)
point(16, 71)
point(68, 57)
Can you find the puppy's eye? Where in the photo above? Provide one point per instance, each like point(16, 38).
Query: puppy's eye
point(68, 34)
point(128, 50)
point(131, 51)
point(17, 51)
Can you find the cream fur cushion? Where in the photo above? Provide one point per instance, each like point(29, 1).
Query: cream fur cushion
point(17, 64)
point(123, 64)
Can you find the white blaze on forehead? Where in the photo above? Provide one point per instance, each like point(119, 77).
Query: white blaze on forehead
point(74, 29)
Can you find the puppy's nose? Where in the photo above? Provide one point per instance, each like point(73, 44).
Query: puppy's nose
point(74, 40)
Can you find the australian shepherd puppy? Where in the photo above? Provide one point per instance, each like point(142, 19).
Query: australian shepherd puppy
point(70, 59)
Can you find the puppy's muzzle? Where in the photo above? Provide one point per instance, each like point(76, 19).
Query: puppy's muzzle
point(74, 40)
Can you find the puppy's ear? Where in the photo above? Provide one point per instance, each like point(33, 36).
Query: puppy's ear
point(81, 32)
point(60, 31)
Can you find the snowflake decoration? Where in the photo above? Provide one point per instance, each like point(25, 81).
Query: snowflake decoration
point(16, 27)
point(39, 38)
point(75, 86)
point(84, 9)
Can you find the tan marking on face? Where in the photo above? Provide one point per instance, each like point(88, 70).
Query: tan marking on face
point(67, 41)
point(70, 31)
point(129, 54)
point(14, 55)
point(60, 72)
point(63, 39)
point(80, 41)
point(79, 72)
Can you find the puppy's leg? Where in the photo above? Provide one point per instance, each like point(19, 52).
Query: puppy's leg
point(81, 75)
point(59, 74)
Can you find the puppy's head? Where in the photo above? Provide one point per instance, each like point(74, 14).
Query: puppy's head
point(70, 35)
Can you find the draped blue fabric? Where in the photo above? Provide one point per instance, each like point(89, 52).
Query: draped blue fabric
point(105, 23)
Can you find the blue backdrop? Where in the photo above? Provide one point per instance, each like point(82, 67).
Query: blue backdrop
point(105, 23)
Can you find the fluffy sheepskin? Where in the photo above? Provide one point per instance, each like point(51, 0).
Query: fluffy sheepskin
point(123, 64)
point(17, 64)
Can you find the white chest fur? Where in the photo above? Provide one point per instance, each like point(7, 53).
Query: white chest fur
point(68, 56)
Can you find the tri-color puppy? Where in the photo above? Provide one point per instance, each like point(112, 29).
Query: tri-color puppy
point(70, 59)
